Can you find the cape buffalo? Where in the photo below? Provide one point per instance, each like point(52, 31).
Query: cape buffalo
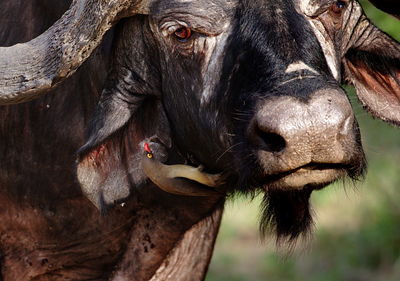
point(176, 104)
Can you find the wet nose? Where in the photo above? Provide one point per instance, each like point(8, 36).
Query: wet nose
point(289, 132)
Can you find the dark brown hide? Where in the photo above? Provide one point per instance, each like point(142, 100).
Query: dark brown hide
point(49, 230)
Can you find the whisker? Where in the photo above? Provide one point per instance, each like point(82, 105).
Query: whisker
point(228, 149)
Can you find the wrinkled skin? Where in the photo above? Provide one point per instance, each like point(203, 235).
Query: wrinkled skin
point(49, 230)
point(222, 82)
point(209, 100)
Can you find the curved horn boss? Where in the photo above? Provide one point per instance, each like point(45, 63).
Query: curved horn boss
point(31, 68)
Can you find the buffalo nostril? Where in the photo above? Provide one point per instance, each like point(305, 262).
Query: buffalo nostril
point(271, 142)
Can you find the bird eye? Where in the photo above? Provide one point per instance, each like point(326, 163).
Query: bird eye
point(183, 34)
point(338, 7)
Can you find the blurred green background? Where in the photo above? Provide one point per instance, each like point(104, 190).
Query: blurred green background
point(357, 230)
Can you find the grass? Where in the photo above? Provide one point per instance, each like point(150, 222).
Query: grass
point(357, 233)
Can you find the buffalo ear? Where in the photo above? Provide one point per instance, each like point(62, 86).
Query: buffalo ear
point(109, 163)
point(128, 112)
point(388, 6)
point(372, 65)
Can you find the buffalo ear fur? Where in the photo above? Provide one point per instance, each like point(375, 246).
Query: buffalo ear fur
point(372, 66)
point(109, 166)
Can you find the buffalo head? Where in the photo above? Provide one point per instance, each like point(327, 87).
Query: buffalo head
point(250, 89)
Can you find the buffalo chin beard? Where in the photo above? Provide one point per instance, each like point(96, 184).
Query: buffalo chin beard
point(287, 213)
point(285, 209)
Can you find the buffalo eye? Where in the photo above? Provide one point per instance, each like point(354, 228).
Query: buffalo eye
point(338, 7)
point(183, 34)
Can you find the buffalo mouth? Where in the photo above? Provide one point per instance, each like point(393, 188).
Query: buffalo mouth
point(315, 175)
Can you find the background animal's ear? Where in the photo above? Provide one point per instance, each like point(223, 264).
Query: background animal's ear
point(109, 163)
point(372, 65)
point(389, 6)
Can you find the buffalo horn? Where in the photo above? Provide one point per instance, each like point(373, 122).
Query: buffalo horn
point(31, 68)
